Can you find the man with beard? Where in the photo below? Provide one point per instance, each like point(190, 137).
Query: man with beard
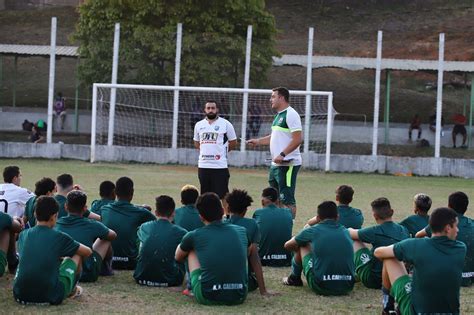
point(214, 136)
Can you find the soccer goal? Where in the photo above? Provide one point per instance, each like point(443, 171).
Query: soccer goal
point(153, 116)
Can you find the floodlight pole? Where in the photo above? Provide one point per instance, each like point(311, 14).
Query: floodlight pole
point(245, 102)
point(377, 94)
point(439, 97)
point(177, 69)
point(52, 69)
point(309, 87)
point(113, 91)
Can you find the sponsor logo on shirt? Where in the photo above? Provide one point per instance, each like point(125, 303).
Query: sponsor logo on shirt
point(275, 257)
point(118, 258)
point(227, 286)
point(364, 258)
point(408, 287)
point(208, 157)
point(468, 274)
point(153, 284)
point(217, 157)
point(280, 120)
point(337, 277)
point(216, 128)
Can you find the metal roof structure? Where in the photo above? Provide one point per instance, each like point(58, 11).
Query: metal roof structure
point(357, 63)
point(38, 50)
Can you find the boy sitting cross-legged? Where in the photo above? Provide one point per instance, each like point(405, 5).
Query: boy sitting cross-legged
point(159, 239)
point(324, 251)
point(89, 232)
point(41, 277)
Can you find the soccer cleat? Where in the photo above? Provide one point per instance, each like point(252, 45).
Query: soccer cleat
point(293, 281)
point(13, 265)
point(187, 292)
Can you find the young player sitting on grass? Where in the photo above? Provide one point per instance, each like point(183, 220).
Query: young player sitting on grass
point(417, 221)
point(385, 233)
point(217, 256)
point(348, 216)
point(275, 225)
point(44, 187)
point(324, 252)
point(65, 184)
point(156, 266)
point(107, 195)
point(187, 216)
point(91, 233)
point(458, 201)
point(41, 276)
point(125, 218)
point(237, 203)
point(9, 227)
point(438, 263)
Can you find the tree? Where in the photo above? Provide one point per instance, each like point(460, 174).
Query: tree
point(214, 37)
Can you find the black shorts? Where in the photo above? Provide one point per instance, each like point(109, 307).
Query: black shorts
point(459, 129)
point(214, 180)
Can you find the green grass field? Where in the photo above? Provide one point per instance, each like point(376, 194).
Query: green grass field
point(120, 294)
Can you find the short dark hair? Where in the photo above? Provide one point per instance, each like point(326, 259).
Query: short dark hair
point(327, 210)
point(165, 205)
point(422, 202)
point(381, 207)
point(345, 194)
point(64, 181)
point(283, 92)
point(124, 187)
point(238, 201)
point(10, 172)
point(76, 200)
point(458, 201)
point(44, 186)
point(442, 217)
point(45, 208)
point(210, 207)
point(106, 189)
point(189, 194)
point(270, 193)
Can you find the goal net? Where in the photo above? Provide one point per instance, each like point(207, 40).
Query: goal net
point(164, 116)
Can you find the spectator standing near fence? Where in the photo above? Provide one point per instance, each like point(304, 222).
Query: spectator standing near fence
point(60, 110)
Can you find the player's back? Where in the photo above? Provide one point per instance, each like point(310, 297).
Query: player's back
point(466, 235)
point(97, 205)
point(350, 217)
point(415, 223)
point(188, 218)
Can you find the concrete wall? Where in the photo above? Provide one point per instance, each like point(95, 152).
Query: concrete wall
point(339, 162)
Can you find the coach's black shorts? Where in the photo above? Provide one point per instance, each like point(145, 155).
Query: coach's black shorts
point(459, 129)
point(214, 180)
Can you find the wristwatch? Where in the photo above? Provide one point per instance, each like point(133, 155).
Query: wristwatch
point(282, 154)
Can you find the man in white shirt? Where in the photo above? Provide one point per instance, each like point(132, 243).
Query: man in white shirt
point(11, 191)
point(214, 137)
point(284, 142)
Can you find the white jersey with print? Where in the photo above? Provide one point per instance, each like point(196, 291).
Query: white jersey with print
point(284, 123)
point(16, 197)
point(213, 139)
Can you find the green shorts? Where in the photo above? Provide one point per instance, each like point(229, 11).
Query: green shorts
point(197, 290)
point(363, 262)
point(67, 275)
point(91, 268)
point(3, 262)
point(283, 178)
point(401, 291)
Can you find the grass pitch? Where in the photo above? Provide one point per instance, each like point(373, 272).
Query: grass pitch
point(120, 294)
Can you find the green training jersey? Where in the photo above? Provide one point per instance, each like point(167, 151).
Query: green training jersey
point(156, 265)
point(125, 218)
point(30, 211)
point(438, 264)
point(350, 217)
point(61, 202)
point(6, 221)
point(275, 225)
point(85, 231)
point(415, 223)
point(37, 276)
point(221, 249)
point(96, 205)
point(465, 235)
point(384, 234)
point(334, 270)
point(188, 218)
point(253, 234)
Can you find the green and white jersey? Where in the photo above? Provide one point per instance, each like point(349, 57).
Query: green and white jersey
point(275, 225)
point(438, 264)
point(334, 270)
point(350, 217)
point(415, 223)
point(156, 265)
point(221, 249)
point(284, 123)
point(37, 276)
point(188, 218)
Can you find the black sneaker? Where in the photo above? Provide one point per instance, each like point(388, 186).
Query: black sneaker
point(13, 265)
point(293, 281)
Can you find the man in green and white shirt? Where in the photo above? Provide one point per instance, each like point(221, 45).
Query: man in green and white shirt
point(284, 142)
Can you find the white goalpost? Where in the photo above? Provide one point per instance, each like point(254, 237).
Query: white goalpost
point(163, 117)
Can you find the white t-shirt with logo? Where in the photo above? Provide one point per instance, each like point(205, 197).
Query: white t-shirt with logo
point(213, 139)
point(16, 197)
point(284, 124)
